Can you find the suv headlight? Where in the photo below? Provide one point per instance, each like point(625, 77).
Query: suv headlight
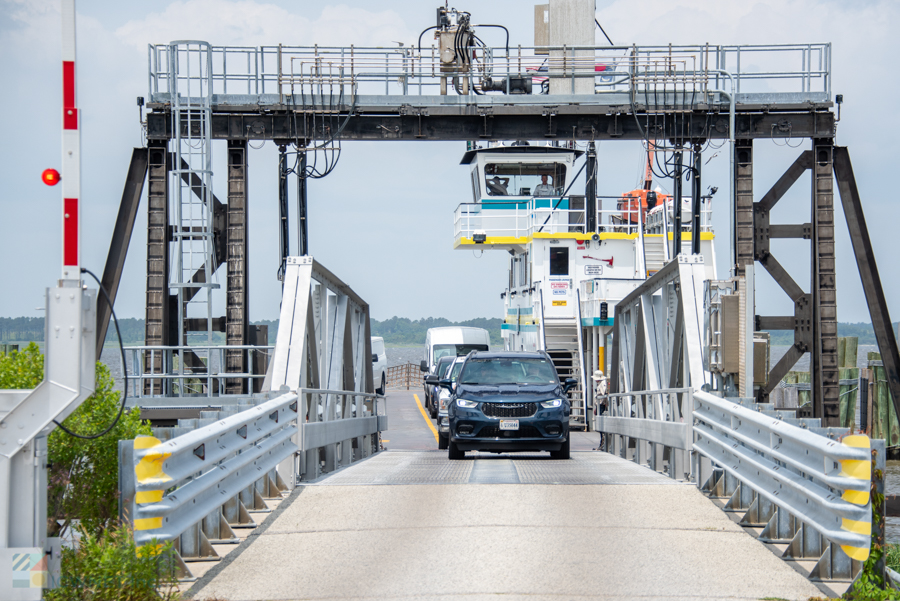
point(551, 404)
point(466, 404)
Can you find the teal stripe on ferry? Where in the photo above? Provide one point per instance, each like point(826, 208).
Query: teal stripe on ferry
point(504, 205)
point(596, 321)
point(512, 327)
point(522, 311)
point(550, 203)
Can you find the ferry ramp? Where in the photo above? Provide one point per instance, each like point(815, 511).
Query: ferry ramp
point(407, 523)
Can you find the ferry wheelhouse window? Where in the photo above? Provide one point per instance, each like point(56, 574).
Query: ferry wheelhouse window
point(476, 191)
point(525, 179)
point(559, 260)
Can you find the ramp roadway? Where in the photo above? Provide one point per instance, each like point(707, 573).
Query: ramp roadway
point(408, 523)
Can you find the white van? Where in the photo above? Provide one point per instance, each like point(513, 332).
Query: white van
point(453, 341)
point(379, 364)
point(449, 341)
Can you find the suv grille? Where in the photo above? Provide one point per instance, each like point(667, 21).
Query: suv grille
point(509, 409)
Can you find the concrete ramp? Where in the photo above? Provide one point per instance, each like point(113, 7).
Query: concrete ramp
point(410, 525)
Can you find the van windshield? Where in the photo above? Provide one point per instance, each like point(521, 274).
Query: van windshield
point(505, 370)
point(456, 350)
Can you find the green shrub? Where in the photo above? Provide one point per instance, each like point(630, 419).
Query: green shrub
point(892, 556)
point(84, 474)
point(22, 369)
point(108, 567)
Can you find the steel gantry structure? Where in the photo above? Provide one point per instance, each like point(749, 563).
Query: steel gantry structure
point(309, 99)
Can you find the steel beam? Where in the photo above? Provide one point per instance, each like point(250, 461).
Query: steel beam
point(802, 231)
point(505, 123)
point(784, 183)
point(782, 277)
point(695, 199)
point(237, 313)
point(676, 217)
point(766, 322)
point(283, 227)
point(118, 246)
point(590, 192)
point(824, 373)
point(156, 324)
point(302, 220)
point(868, 271)
point(743, 210)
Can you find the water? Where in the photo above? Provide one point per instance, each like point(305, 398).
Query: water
point(892, 487)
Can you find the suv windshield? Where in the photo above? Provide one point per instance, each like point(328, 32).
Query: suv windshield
point(506, 370)
point(441, 367)
point(456, 350)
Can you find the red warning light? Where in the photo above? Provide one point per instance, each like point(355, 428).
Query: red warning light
point(50, 177)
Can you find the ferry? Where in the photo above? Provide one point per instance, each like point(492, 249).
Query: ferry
point(568, 269)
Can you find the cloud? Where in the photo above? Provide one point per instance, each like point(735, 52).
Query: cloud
point(250, 23)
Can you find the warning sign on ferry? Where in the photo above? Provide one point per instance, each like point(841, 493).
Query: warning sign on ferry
point(559, 285)
point(559, 303)
point(593, 270)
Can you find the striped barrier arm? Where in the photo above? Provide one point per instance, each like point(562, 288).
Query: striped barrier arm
point(823, 482)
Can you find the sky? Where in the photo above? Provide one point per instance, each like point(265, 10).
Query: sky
point(383, 220)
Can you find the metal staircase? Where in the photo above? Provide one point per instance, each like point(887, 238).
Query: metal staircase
point(562, 343)
point(654, 253)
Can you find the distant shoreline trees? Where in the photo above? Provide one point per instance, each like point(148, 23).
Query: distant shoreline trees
point(396, 331)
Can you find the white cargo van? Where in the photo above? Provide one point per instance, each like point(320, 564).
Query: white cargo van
point(453, 341)
point(450, 341)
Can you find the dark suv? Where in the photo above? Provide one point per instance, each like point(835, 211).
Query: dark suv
point(508, 401)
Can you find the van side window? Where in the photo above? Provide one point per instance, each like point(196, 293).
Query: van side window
point(559, 260)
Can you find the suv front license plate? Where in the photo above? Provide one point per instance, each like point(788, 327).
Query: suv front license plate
point(509, 424)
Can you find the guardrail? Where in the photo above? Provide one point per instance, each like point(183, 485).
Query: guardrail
point(806, 486)
point(822, 482)
point(195, 488)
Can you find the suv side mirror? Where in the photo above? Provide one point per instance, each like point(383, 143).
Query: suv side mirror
point(570, 384)
point(431, 379)
point(446, 384)
point(374, 357)
point(423, 366)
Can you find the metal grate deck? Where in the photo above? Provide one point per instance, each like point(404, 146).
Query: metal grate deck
point(432, 467)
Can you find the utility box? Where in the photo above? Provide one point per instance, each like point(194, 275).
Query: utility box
point(760, 358)
point(541, 27)
point(731, 334)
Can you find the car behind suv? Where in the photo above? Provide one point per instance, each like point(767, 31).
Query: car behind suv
point(508, 401)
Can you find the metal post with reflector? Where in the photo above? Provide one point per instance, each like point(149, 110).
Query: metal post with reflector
point(29, 559)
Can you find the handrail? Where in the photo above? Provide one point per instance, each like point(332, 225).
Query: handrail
point(777, 69)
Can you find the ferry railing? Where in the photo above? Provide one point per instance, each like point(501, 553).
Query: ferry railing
point(172, 370)
point(506, 219)
point(516, 218)
point(656, 76)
